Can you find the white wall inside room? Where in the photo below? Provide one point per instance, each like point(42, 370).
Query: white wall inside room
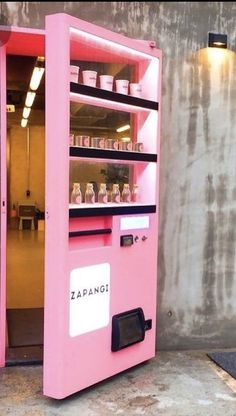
point(25, 250)
point(18, 165)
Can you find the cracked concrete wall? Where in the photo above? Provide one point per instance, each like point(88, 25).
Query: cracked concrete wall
point(197, 282)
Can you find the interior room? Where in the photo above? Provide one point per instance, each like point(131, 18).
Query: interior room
point(26, 192)
point(25, 211)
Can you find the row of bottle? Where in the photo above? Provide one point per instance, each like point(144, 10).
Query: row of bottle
point(116, 196)
point(103, 143)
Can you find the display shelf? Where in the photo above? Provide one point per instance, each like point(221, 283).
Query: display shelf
point(97, 96)
point(92, 210)
point(88, 152)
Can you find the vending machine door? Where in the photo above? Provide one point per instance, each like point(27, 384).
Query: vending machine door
point(3, 217)
point(77, 260)
point(100, 277)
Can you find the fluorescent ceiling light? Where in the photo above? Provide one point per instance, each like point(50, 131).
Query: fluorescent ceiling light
point(123, 128)
point(29, 99)
point(36, 78)
point(26, 112)
point(24, 122)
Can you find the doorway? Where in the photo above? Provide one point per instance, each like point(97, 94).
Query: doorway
point(25, 213)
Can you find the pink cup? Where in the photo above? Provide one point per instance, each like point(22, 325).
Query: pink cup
point(89, 78)
point(106, 82)
point(122, 86)
point(74, 73)
point(135, 89)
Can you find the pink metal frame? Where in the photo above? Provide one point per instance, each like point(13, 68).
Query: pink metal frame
point(71, 364)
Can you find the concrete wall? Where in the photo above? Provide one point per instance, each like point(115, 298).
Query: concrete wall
point(197, 283)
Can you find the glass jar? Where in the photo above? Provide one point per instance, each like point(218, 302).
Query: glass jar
point(102, 194)
point(89, 194)
point(126, 194)
point(115, 196)
point(76, 195)
point(135, 194)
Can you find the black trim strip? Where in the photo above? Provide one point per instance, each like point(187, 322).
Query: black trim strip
point(89, 232)
point(119, 210)
point(112, 96)
point(111, 154)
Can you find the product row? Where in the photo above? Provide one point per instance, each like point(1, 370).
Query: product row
point(102, 143)
point(106, 82)
point(104, 196)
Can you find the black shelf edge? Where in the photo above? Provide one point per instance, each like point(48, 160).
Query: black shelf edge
point(112, 96)
point(111, 154)
point(119, 210)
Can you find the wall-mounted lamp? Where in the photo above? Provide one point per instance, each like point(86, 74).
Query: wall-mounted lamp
point(217, 40)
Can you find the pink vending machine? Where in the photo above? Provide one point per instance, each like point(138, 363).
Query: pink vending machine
point(102, 170)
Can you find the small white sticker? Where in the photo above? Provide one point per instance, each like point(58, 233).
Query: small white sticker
point(134, 223)
point(89, 298)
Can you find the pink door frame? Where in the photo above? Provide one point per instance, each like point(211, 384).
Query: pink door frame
point(28, 42)
point(3, 198)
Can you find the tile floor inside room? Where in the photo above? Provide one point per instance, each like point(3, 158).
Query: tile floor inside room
point(25, 268)
point(172, 384)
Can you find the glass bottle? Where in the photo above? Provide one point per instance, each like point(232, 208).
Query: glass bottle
point(102, 194)
point(89, 194)
point(126, 194)
point(134, 195)
point(76, 195)
point(115, 196)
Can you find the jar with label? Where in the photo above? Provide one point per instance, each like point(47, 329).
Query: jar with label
point(111, 144)
point(126, 194)
point(115, 196)
point(102, 194)
point(89, 194)
point(134, 194)
point(98, 142)
point(76, 195)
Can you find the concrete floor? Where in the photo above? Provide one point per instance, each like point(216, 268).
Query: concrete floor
point(172, 384)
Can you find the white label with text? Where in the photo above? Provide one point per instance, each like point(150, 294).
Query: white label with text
point(89, 298)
